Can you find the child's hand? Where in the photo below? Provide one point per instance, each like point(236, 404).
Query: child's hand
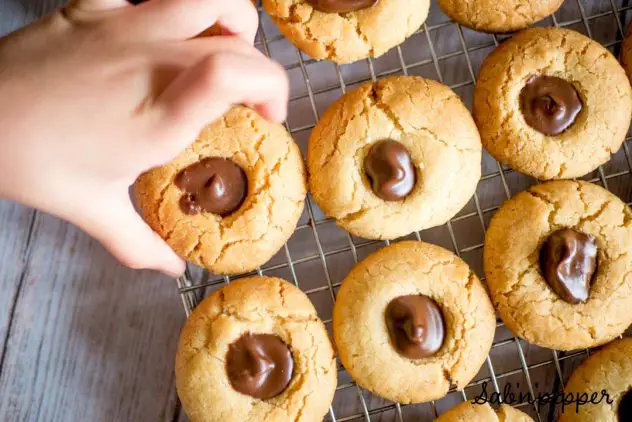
point(102, 91)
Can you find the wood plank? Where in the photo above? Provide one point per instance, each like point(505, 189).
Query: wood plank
point(16, 13)
point(90, 340)
point(15, 222)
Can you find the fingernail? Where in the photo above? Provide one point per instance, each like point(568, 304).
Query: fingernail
point(172, 265)
point(174, 270)
point(173, 274)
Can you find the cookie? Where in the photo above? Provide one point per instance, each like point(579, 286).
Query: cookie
point(552, 103)
point(498, 16)
point(412, 320)
point(384, 161)
point(608, 371)
point(344, 31)
point(468, 411)
point(255, 350)
point(558, 262)
point(232, 199)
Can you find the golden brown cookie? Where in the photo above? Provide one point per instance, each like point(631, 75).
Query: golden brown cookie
point(608, 371)
point(256, 351)
point(472, 412)
point(410, 321)
point(552, 103)
point(498, 16)
point(558, 262)
point(336, 31)
point(383, 191)
point(194, 201)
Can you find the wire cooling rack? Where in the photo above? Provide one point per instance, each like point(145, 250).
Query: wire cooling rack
point(319, 255)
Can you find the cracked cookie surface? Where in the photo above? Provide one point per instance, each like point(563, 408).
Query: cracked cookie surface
point(412, 111)
point(468, 411)
point(498, 16)
point(608, 369)
point(593, 71)
point(347, 37)
point(250, 236)
point(361, 333)
point(524, 300)
point(258, 305)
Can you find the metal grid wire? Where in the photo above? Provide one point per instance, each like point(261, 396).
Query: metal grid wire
point(602, 20)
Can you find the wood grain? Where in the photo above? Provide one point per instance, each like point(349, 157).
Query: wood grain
point(90, 340)
point(81, 337)
point(15, 222)
point(15, 14)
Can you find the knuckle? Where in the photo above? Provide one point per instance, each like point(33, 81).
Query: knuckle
point(216, 71)
point(234, 44)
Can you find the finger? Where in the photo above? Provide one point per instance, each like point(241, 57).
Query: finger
point(81, 11)
point(208, 89)
point(92, 6)
point(225, 78)
point(185, 54)
point(184, 19)
point(227, 25)
point(124, 233)
point(169, 60)
point(221, 29)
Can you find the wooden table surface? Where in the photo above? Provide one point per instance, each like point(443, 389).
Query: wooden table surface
point(81, 337)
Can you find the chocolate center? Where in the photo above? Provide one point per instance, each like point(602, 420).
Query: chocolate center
point(568, 260)
point(215, 185)
point(416, 326)
point(390, 170)
point(549, 104)
point(625, 407)
point(341, 6)
point(259, 365)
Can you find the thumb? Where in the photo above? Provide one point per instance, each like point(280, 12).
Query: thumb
point(124, 233)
